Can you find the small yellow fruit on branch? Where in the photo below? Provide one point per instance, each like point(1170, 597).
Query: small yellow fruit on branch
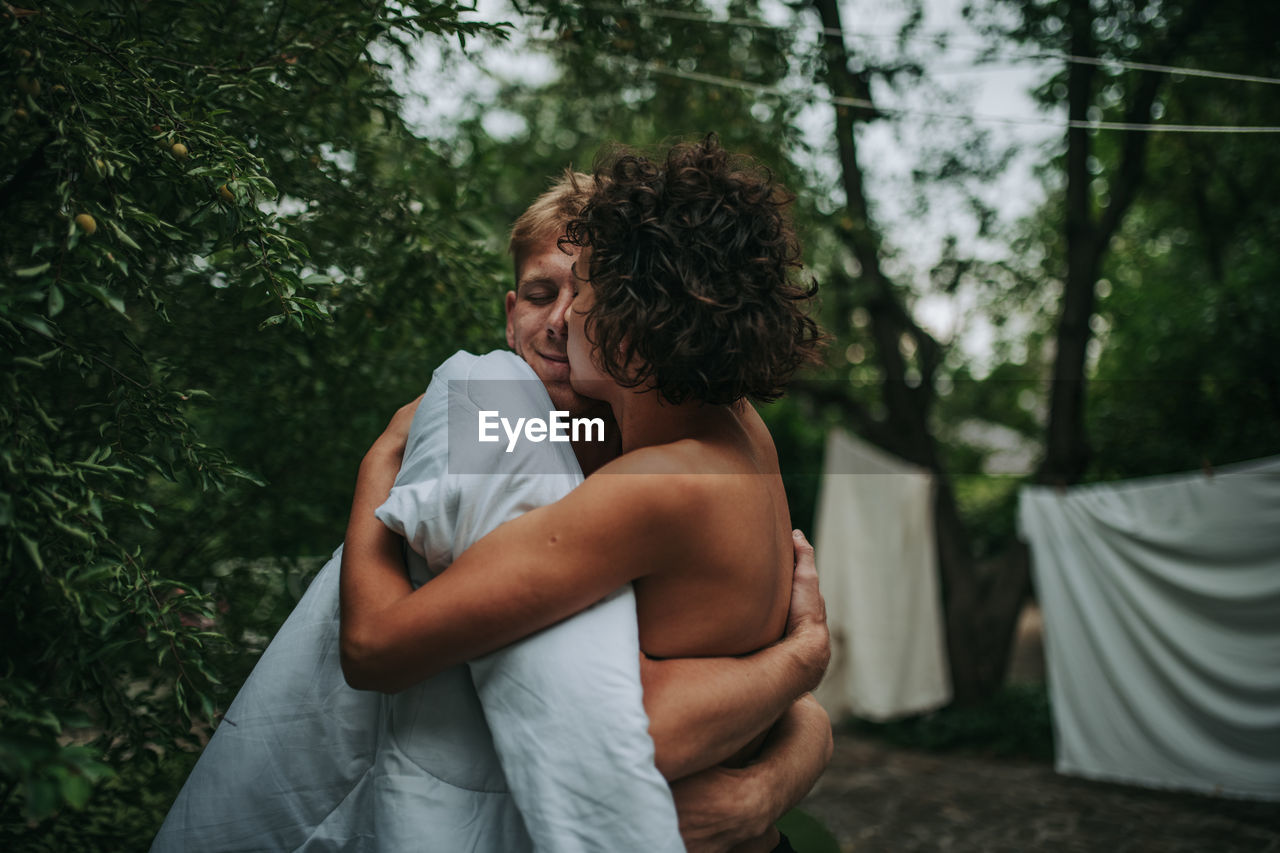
point(179, 150)
point(226, 194)
point(87, 223)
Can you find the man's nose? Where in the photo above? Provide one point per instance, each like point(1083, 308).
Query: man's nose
point(557, 320)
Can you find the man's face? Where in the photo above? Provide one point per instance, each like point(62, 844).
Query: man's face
point(536, 312)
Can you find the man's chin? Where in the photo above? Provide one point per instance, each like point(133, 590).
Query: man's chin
point(565, 398)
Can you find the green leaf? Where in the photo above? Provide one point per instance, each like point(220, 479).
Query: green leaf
point(28, 272)
point(106, 297)
point(124, 238)
point(38, 324)
point(56, 301)
point(76, 790)
point(32, 549)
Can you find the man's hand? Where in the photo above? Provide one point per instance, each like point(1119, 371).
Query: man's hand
point(722, 807)
point(807, 619)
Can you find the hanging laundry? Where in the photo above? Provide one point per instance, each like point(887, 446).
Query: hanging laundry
point(1161, 604)
point(877, 563)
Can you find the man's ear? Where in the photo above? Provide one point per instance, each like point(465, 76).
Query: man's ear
point(509, 304)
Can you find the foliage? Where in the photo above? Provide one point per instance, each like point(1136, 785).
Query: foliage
point(123, 812)
point(1181, 373)
point(1197, 381)
point(1014, 721)
point(622, 76)
point(193, 192)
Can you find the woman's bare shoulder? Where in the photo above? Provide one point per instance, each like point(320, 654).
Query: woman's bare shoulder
point(677, 457)
point(665, 482)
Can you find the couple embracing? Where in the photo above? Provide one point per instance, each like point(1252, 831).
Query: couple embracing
point(556, 663)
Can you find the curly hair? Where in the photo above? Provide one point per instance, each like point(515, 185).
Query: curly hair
point(693, 264)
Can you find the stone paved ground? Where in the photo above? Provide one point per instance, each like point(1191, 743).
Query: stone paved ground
point(878, 798)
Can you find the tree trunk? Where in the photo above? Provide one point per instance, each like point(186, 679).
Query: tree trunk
point(1089, 236)
point(980, 612)
point(1066, 451)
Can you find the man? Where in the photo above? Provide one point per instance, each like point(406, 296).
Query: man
point(303, 762)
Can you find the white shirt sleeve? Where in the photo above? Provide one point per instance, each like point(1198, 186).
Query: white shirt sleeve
point(564, 705)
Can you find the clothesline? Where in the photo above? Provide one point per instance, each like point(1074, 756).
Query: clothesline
point(749, 23)
point(838, 100)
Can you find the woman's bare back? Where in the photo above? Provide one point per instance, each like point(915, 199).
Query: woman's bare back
point(730, 596)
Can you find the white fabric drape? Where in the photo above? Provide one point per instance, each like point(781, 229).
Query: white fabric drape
point(877, 564)
point(1161, 602)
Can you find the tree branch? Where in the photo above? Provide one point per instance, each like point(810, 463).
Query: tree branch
point(1133, 158)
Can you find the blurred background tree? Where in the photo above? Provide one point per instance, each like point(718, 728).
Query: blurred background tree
point(235, 244)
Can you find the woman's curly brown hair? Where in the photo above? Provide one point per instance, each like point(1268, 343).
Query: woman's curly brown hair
point(693, 265)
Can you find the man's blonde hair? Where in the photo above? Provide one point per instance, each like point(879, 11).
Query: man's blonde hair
point(550, 212)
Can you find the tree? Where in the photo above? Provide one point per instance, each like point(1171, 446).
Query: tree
point(1152, 219)
point(1116, 30)
point(1186, 377)
point(192, 190)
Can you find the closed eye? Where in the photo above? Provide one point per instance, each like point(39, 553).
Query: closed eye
point(539, 293)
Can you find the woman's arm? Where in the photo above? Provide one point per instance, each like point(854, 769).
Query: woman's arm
point(548, 564)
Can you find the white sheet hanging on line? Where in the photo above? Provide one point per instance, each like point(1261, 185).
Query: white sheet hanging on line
point(877, 564)
point(1161, 602)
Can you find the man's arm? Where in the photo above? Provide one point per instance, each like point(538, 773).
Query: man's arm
point(722, 807)
point(702, 711)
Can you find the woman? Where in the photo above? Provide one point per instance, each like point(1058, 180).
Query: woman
point(688, 309)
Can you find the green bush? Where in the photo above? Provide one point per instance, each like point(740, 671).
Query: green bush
point(221, 243)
